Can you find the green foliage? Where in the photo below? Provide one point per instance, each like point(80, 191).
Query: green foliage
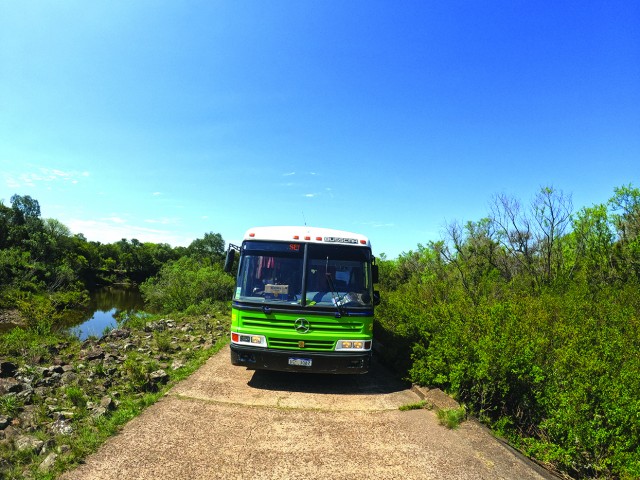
point(414, 406)
point(75, 395)
point(186, 282)
point(10, 405)
point(163, 341)
point(451, 417)
point(531, 318)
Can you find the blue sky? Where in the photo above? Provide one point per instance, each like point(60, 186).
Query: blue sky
point(162, 121)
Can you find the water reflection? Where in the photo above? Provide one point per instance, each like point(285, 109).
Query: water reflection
point(104, 304)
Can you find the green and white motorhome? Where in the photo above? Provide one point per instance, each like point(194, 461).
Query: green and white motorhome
point(304, 300)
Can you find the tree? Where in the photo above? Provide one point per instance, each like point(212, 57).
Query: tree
point(211, 246)
point(552, 215)
point(24, 207)
point(625, 205)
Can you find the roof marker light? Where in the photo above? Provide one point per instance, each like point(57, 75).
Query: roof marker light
point(252, 234)
point(319, 239)
point(307, 237)
point(296, 237)
point(363, 242)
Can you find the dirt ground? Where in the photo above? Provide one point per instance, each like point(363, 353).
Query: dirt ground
point(226, 422)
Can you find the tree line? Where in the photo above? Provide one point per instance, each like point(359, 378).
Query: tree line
point(43, 263)
point(530, 317)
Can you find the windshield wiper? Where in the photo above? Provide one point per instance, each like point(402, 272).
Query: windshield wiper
point(337, 299)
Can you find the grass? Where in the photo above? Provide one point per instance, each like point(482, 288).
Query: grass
point(416, 406)
point(76, 396)
point(451, 417)
point(9, 405)
point(89, 432)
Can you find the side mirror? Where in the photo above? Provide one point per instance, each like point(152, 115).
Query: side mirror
point(376, 297)
point(374, 273)
point(228, 262)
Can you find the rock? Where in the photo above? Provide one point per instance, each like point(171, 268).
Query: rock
point(64, 448)
point(48, 462)
point(4, 421)
point(11, 432)
point(68, 378)
point(177, 364)
point(41, 391)
point(25, 442)
point(63, 415)
point(7, 369)
point(119, 333)
point(10, 385)
point(158, 377)
point(98, 412)
point(96, 353)
point(48, 372)
point(107, 403)
point(61, 427)
point(158, 326)
point(51, 381)
point(29, 416)
point(26, 395)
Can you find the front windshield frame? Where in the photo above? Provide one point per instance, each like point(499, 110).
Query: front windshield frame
point(295, 274)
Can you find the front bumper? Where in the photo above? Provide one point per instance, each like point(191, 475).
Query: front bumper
point(321, 362)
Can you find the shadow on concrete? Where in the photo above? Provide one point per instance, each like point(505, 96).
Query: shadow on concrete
point(379, 380)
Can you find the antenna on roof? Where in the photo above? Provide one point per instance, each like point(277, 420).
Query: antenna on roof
point(303, 218)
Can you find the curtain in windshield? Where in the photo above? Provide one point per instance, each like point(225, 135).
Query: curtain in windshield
point(270, 271)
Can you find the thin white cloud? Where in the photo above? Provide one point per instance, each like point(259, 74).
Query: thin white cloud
point(288, 174)
point(109, 232)
point(114, 219)
point(162, 221)
point(11, 182)
point(310, 195)
point(43, 175)
point(379, 224)
point(155, 194)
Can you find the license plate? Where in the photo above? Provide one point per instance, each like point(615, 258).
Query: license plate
point(300, 362)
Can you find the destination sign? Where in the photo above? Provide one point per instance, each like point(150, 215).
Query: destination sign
point(340, 240)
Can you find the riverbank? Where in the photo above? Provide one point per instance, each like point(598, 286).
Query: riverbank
point(59, 400)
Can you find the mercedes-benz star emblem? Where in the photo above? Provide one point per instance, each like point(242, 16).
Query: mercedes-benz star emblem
point(302, 325)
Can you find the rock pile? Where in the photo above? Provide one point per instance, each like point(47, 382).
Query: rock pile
point(44, 401)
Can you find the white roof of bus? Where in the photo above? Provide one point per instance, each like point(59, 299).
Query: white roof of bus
point(306, 234)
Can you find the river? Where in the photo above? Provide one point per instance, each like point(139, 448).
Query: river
point(104, 304)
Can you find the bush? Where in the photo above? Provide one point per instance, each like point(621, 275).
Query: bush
point(186, 282)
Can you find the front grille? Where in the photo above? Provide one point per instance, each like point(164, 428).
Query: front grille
point(318, 325)
point(287, 343)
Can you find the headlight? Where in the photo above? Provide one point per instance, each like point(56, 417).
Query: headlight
point(353, 345)
point(248, 339)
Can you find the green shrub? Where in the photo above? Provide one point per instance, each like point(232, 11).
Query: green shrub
point(163, 341)
point(76, 396)
point(451, 417)
point(186, 282)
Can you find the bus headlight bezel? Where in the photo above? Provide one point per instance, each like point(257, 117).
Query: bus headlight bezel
point(353, 345)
